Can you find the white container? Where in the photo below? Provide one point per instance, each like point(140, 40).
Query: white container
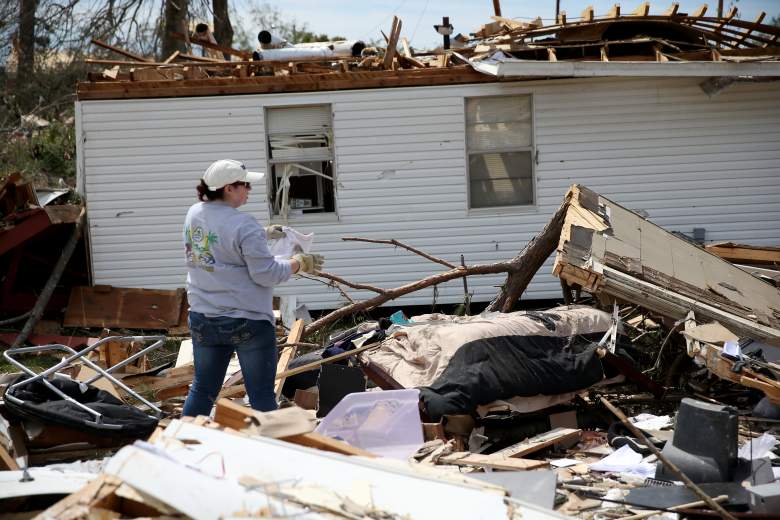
point(386, 423)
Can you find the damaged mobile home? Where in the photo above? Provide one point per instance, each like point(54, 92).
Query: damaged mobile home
point(663, 113)
point(589, 161)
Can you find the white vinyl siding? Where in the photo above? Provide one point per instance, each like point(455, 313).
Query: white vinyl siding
point(499, 142)
point(661, 146)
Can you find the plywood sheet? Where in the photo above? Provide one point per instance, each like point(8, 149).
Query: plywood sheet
point(115, 307)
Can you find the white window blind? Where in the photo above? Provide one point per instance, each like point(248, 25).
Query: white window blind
point(499, 141)
point(300, 159)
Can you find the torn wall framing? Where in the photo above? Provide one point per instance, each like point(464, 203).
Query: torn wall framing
point(609, 250)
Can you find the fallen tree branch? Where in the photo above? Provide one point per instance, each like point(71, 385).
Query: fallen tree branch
point(520, 270)
point(331, 283)
point(391, 294)
point(396, 243)
point(359, 286)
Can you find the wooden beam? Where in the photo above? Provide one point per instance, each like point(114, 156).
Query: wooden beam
point(561, 18)
point(698, 13)
point(539, 442)
point(587, 14)
point(240, 389)
point(392, 42)
point(321, 442)
point(757, 21)
point(288, 353)
point(497, 7)
point(213, 46)
point(7, 462)
point(172, 57)
point(465, 458)
point(131, 55)
point(745, 254)
point(642, 10)
point(672, 9)
point(614, 12)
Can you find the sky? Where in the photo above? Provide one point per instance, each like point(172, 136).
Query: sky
point(363, 19)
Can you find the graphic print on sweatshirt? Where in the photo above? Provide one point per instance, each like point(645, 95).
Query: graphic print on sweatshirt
point(197, 246)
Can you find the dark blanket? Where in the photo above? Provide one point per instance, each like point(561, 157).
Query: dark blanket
point(488, 369)
point(41, 403)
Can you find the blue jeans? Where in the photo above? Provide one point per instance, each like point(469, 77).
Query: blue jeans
point(213, 342)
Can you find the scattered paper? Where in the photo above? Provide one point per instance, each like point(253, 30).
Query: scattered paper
point(648, 421)
point(625, 460)
point(564, 463)
point(757, 448)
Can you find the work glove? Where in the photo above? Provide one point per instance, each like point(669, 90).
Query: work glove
point(274, 232)
point(309, 262)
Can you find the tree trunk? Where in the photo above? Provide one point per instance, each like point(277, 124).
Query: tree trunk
point(175, 21)
point(223, 31)
point(530, 259)
point(26, 36)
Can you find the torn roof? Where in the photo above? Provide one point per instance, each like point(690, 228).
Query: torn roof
point(666, 44)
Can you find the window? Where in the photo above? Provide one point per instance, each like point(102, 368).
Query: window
point(300, 161)
point(499, 143)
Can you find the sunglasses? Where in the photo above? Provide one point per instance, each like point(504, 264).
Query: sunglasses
point(245, 184)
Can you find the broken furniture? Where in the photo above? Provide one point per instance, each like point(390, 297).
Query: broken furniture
point(51, 396)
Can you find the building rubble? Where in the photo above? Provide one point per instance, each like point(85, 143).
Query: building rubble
point(497, 415)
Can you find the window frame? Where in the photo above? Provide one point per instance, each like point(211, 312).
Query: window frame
point(531, 148)
point(271, 162)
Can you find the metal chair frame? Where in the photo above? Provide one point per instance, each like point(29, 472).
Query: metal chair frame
point(158, 341)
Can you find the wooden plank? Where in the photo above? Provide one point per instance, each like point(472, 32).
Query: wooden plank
point(281, 423)
point(757, 21)
point(240, 389)
point(214, 46)
point(587, 14)
point(281, 84)
point(392, 42)
point(614, 12)
point(172, 57)
point(98, 489)
point(494, 461)
point(642, 10)
point(672, 9)
point(106, 306)
point(321, 442)
point(746, 254)
point(7, 462)
point(123, 52)
point(698, 13)
point(561, 18)
point(539, 442)
point(288, 353)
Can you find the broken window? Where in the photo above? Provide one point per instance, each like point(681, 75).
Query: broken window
point(499, 141)
point(300, 161)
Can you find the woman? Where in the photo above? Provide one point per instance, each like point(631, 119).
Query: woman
point(230, 279)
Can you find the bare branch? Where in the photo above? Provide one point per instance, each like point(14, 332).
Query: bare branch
point(358, 286)
point(396, 243)
point(331, 283)
point(392, 294)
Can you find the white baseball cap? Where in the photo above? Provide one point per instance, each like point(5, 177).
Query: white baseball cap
point(227, 171)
